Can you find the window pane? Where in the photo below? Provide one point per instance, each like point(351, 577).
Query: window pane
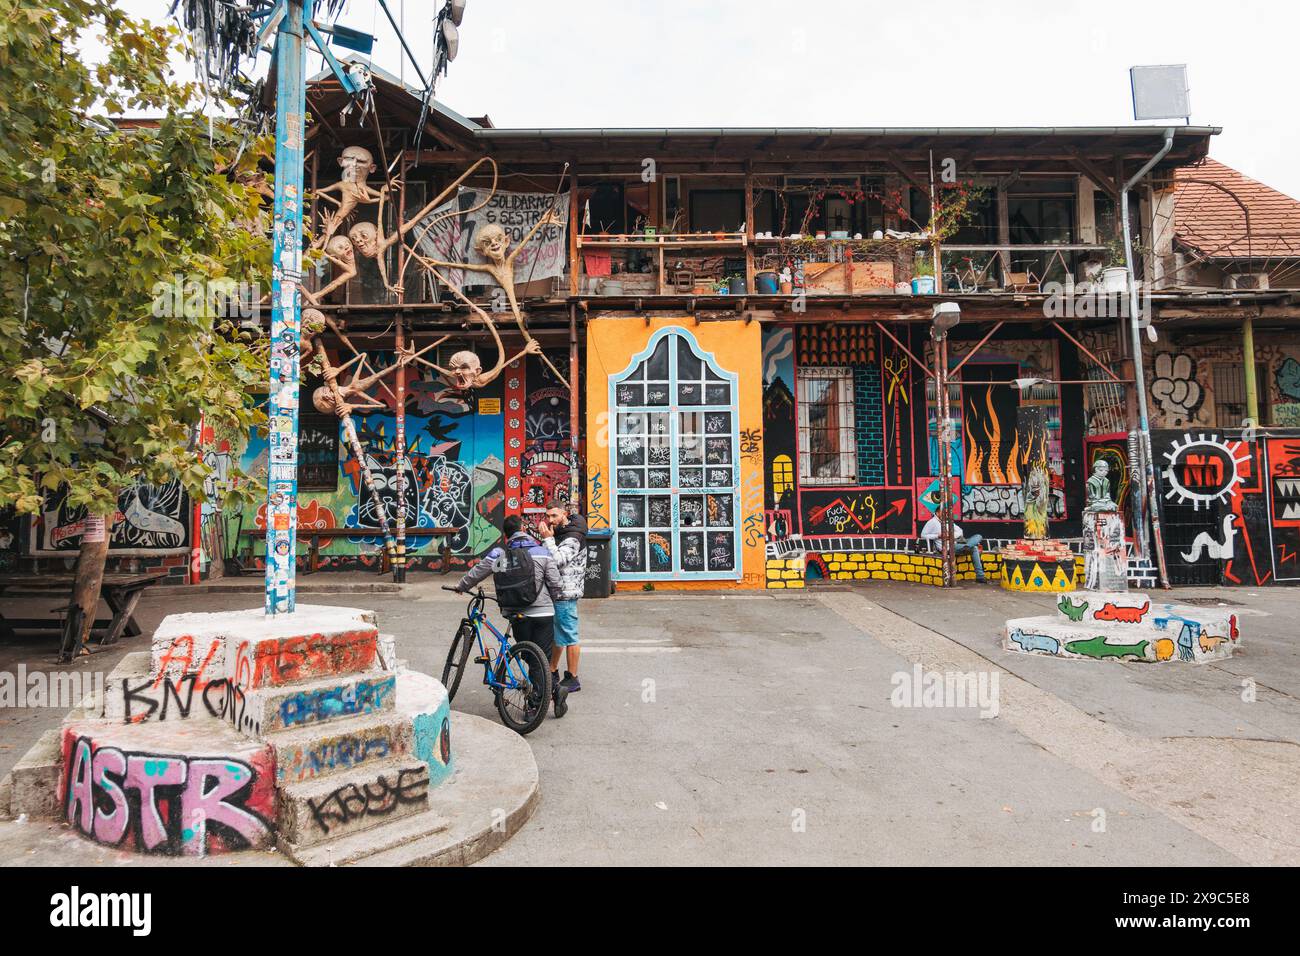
point(629, 393)
point(661, 553)
point(689, 365)
point(631, 551)
point(631, 451)
point(691, 477)
point(719, 510)
point(690, 449)
point(656, 395)
point(827, 442)
point(661, 512)
point(631, 511)
point(717, 394)
point(657, 364)
point(692, 550)
point(690, 393)
point(690, 511)
point(631, 423)
point(660, 478)
point(631, 477)
point(722, 553)
point(717, 423)
point(717, 451)
point(661, 451)
point(719, 477)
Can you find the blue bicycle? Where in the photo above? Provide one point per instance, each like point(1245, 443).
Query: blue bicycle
point(517, 673)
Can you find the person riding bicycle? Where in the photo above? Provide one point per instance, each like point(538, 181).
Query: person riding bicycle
point(527, 583)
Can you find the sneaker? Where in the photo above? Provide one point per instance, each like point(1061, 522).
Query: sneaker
point(571, 683)
point(561, 696)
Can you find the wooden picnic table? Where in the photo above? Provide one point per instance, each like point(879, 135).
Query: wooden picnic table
point(313, 538)
point(121, 592)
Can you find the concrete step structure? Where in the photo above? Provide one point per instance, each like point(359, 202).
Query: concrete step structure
point(237, 731)
point(1138, 611)
point(258, 651)
point(34, 779)
point(490, 796)
point(1126, 626)
point(325, 809)
point(319, 750)
point(189, 788)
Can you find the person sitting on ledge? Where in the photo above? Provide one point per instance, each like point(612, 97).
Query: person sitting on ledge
point(933, 532)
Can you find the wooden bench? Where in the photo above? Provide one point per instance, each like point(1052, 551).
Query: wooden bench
point(121, 592)
point(313, 537)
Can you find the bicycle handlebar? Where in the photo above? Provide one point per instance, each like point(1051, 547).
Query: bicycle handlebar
point(478, 594)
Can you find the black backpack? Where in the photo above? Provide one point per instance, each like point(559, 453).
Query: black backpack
point(515, 580)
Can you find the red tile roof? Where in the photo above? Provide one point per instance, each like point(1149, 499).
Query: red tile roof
point(1211, 223)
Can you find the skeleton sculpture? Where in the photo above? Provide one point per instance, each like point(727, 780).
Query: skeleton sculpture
point(342, 400)
point(368, 237)
point(352, 190)
point(493, 244)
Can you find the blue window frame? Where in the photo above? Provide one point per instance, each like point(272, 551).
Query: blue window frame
point(674, 460)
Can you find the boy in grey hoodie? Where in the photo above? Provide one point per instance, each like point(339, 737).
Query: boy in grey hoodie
point(536, 622)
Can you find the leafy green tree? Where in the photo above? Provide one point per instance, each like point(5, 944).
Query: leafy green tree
point(111, 236)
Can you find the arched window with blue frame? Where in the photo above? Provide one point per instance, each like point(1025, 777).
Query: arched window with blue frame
point(674, 461)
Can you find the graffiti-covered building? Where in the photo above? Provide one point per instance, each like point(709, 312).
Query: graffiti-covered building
point(737, 371)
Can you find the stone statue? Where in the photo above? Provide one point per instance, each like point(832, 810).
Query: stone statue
point(1099, 498)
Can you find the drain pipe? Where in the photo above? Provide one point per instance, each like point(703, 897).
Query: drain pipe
point(1144, 425)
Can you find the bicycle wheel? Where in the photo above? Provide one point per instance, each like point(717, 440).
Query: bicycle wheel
point(523, 690)
point(454, 669)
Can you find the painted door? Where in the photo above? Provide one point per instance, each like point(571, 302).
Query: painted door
point(674, 462)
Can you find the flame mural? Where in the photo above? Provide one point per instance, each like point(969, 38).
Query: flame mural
point(989, 418)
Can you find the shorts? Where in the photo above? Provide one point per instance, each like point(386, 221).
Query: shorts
point(566, 623)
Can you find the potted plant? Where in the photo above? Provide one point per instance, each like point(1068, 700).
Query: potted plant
point(1111, 269)
point(922, 276)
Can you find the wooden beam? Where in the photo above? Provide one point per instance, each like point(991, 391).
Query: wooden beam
point(902, 170)
point(1094, 172)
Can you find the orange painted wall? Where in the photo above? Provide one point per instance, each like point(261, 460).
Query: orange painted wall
point(736, 346)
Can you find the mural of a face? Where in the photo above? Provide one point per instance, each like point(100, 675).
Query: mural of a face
point(465, 369)
point(492, 243)
point(357, 164)
point(365, 239)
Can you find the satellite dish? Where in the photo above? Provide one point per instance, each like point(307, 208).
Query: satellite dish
point(450, 38)
point(1160, 92)
point(456, 11)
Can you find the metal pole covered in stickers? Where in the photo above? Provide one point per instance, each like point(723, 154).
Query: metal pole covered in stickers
point(286, 277)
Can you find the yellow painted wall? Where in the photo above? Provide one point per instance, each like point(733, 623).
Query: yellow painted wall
point(736, 346)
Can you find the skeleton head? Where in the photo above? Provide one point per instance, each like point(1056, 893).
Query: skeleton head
point(465, 369)
point(492, 243)
point(357, 164)
point(323, 400)
point(313, 324)
point(340, 247)
point(365, 238)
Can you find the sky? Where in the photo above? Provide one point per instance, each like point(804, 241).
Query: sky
point(715, 63)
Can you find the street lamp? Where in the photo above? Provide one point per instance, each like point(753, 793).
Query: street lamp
point(945, 317)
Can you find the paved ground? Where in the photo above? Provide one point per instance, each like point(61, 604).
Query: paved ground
point(759, 729)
